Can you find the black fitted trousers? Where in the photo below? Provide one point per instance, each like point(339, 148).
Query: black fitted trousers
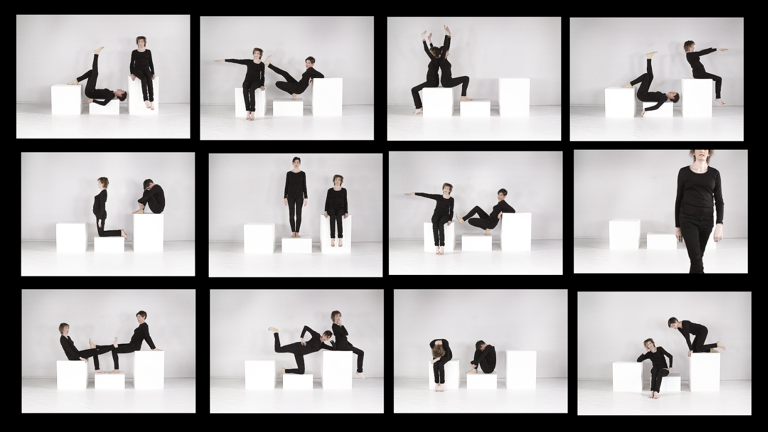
point(93, 352)
point(348, 347)
point(439, 368)
point(453, 82)
point(92, 75)
point(290, 85)
point(147, 89)
point(295, 349)
point(106, 233)
point(125, 348)
point(718, 81)
point(645, 80)
point(482, 221)
point(294, 210)
point(415, 91)
point(438, 230)
point(657, 374)
point(696, 224)
point(698, 342)
point(337, 219)
point(249, 94)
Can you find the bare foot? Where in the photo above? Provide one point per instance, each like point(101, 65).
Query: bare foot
point(720, 101)
point(719, 345)
point(442, 250)
point(139, 211)
point(487, 231)
point(115, 344)
point(461, 221)
point(152, 106)
point(650, 54)
point(333, 242)
point(418, 111)
point(90, 342)
point(98, 50)
point(437, 387)
point(656, 396)
point(341, 242)
point(651, 396)
point(714, 351)
point(294, 96)
point(274, 330)
point(627, 86)
point(442, 389)
point(297, 235)
point(464, 98)
point(437, 250)
point(282, 371)
point(72, 82)
point(98, 371)
point(266, 62)
point(472, 371)
point(146, 103)
point(360, 374)
point(116, 371)
point(123, 234)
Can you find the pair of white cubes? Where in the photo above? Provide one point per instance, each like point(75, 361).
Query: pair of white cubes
point(628, 377)
point(260, 104)
point(136, 104)
point(260, 374)
point(514, 101)
point(148, 232)
point(73, 375)
point(429, 239)
point(326, 100)
point(109, 244)
point(521, 374)
point(68, 100)
point(620, 102)
point(515, 235)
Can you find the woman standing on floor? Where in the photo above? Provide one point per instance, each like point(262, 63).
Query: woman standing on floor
point(694, 59)
point(446, 78)
point(659, 369)
point(434, 64)
point(295, 193)
point(441, 354)
point(254, 79)
point(336, 207)
point(443, 214)
point(698, 188)
point(141, 67)
point(100, 210)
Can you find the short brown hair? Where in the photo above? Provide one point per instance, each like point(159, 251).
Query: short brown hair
point(436, 51)
point(438, 351)
point(333, 315)
point(61, 327)
point(311, 59)
point(261, 51)
point(141, 37)
point(688, 44)
point(104, 181)
point(327, 333)
point(649, 340)
point(449, 185)
point(502, 191)
point(671, 321)
point(339, 176)
point(711, 153)
point(147, 182)
point(142, 313)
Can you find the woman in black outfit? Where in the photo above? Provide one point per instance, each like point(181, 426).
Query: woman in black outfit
point(687, 328)
point(659, 369)
point(698, 185)
point(254, 79)
point(153, 196)
point(336, 207)
point(90, 89)
point(432, 79)
point(74, 354)
point(485, 221)
point(643, 93)
point(443, 214)
point(302, 348)
point(139, 335)
point(295, 193)
point(290, 85)
point(141, 67)
point(342, 344)
point(694, 59)
point(485, 357)
point(100, 210)
point(446, 78)
point(441, 354)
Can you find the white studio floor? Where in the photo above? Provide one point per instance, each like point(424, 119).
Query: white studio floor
point(39, 395)
point(36, 121)
point(407, 257)
point(413, 396)
point(598, 398)
point(228, 395)
point(543, 124)
point(595, 256)
point(226, 259)
point(39, 258)
point(218, 122)
point(588, 123)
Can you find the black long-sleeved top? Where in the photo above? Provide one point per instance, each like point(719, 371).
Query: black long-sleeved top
point(141, 334)
point(690, 328)
point(445, 65)
point(141, 60)
point(255, 71)
point(695, 61)
point(105, 94)
point(657, 97)
point(501, 207)
point(295, 184)
point(699, 190)
point(489, 354)
point(340, 332)
point(434, 62)
point(156, 192)
point(657, 358)
point(100, 204)
point(443, 206)
point(446, 347)
point(336, 200)
point(314, 344)
point(304, 81)
point(69, 348)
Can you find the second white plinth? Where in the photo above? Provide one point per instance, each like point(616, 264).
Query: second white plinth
point(475, 108)
point(136, 105)
point(148, 232)
point(624, 234)
point(451, 375)
point(260, 375)
point(327, 96)
point(259, 238)
point(107, 381)
point(325, 235)
point(109, 244)
point(71, 375)
point(659, 241)
point(696, 97)
point(521, 370)
point(149, 370)
point(476, 243)
point(704, 372)
point(296, 245)
point(337, 369)
point(298, 382)
point(619, 102)
point(481, 381)
point(515, 232)
point(66, 99)
point(111, 108)
point(286, 107)
point(514, 97)
point(670, 384)
point(429, 238)
point(627, 376)
point(437, 102)
point(71, 237)
point(665, 110)
point(260, 104)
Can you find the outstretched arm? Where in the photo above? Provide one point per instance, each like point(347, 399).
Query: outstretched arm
point(312, 332)
point(426, 48)
point(238, 61)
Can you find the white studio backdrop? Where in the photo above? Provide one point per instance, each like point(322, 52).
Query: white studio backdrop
point(247, 188)
point(60, 187)
point(342, 48)
point(56, 49)
point(510, 320)
point(610, 52)
point(240, 319)
point(533, 180)
point(642, 184)
point(613, 325)
point(103, 315)
point(484, 49)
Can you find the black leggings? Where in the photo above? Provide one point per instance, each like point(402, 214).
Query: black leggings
point(439, 368)
point(145, 76)
point(295, 349)
point(718, 81)
point(357, 351)
point(296, 202)
point(698, 342)
point(249, 94)
point(453, 82)
point(94, 352)
point(656, 375)
point(337, 219)
point(415, 91)
point(696, 224)
point(106, 233)
point(437, 228)
point(92, 75)
point(290, 85)
point(121, 349)
point(645, 79)
point(483, 221)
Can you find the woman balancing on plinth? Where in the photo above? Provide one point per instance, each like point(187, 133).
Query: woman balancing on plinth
point(91, 91)
point(443, 214)
point(659, 369)
point(100, 210)
point(687, 328)
point(139, 335)
point(143, 68)
point(254, 79)
point(432, 78)
point(290, 85)
point(446, 79)
point(73, 353)
point(694, 59)
point(643, 92)
point(302, 348)
point(295, 193)
point(484, 220)
point(336, 207)
point(441, 354)
point(342, 344)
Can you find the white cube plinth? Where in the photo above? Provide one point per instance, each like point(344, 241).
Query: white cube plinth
point(260, 104)
point(521, 370)
point(475, 108)
point(451, 375)
point(481, 381)
point(659, 241)
point(109, 244)
point(696, 97)
point(476, 243)
point(429, 238)
point(260, 375)
point(259, 238)
point(66, 99)
point(437, 102)
point(627, 376)
point(296, 245)
point(107, 381)
point(620, 102)
point(337, 370)
point(297, 382)
point(704, 372)
point(71, 237)
point(326, 96)
point(287, 107)
point(515, 232)
point(624, 234)
point(135, 98)
point(514, 97)
point(665, 110)
point(148, 232)
point(670, 384)
point(325, 235)
point(71, 375)
point(149, 370)
point(111, 108)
